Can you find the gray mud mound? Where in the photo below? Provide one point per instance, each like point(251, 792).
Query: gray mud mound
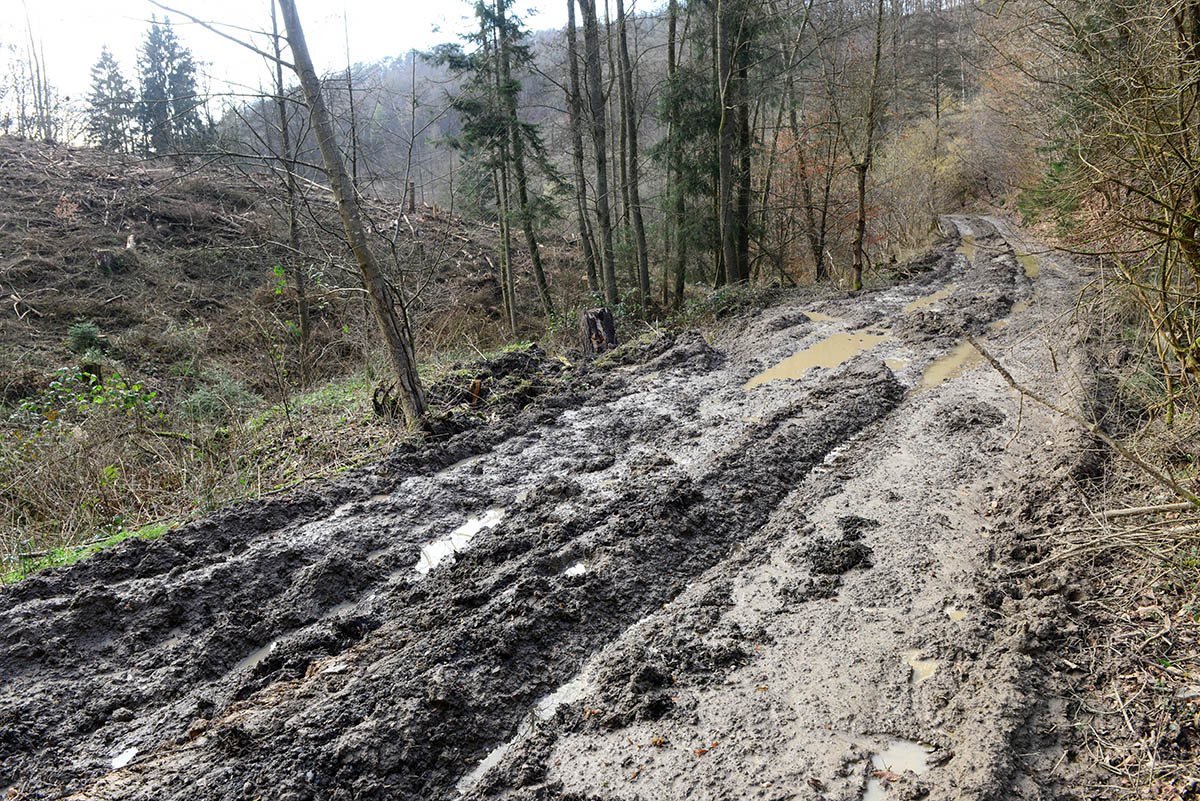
point(653, 577)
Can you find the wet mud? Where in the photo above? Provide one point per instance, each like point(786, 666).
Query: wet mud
point(656, 577)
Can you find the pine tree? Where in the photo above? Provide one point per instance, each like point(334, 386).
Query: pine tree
point(168, 112)
point(110, 106)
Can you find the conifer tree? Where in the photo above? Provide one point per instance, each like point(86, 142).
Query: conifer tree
point(110, 106)
point(168, 109)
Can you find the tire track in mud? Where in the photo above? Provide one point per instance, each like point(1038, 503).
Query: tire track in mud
point(293, 653)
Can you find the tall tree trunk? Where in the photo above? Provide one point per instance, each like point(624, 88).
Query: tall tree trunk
point(635, 198)
point(507, 285)
point(517, 143)
point(742, 225)
point(574, 109)
point(676, 158)
point(725, 138)
point(299, 273)
point(396, 334)
point(864, 163)
point(591, 44)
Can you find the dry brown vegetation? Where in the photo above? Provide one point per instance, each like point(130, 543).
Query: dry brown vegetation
point(150, 366)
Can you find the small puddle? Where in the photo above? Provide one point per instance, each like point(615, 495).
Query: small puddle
point(954, 613)
point(817, 317)
point(1031, 264)
point(895, 365)
point(898, 757)
point(174, 637)
point(257, 655)
point(544, 709)
point(124, 758)
point(577, 569)
point(922, 669)
point(828, 353)
point(831, 459)
point(929, 300)
point(968, 247)
point(951, 365)
point(432, 553)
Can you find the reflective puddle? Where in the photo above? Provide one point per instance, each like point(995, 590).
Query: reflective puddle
point(828, 353)
point(954, 613)
point(898, 757)
point(951, 365)
point(922, 669)
point(432, 553)
point(174, 637)
point(124, 758)
point(577, 569)
point(257, 655)
point(929, 300)
point(832, 459)
point(544, 709)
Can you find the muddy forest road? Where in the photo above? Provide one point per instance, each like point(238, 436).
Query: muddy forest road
point(687, 579)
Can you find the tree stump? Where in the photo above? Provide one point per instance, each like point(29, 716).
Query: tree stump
point(597, 331)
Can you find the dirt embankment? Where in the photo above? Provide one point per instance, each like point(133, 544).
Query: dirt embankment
point(180, 260)
point(777, 565)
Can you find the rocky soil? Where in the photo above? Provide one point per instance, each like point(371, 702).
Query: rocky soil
point(683, 578)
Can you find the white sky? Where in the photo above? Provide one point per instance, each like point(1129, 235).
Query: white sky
point(73, 31)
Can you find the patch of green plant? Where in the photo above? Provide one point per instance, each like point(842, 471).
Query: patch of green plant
point(84, 336)
point(727, 301)
point(626, 352)
point(74, 393)
point(1055, 194)
point(23, 567)
point(223, 398)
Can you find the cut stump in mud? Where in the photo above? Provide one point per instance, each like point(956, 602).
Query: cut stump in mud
point(597, 331)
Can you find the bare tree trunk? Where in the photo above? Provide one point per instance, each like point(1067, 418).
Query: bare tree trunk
point(396, 334)
point(350, 100)
point(574, 110)
point(517, 143)
point(742, 225)
point(299, 273)
point(507, 285)
point(676, 159)
point(591, 43)
point(725, 134)
point(635, 198)
point(864, 163)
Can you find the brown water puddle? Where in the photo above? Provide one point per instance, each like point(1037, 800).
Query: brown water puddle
point(954, 613)
point(951, 365)
point(929, 300)
point(817, 317)
point(922, 669)
point(968, 247)
point(900, 756)
point(829, 352)
point(1031, 264)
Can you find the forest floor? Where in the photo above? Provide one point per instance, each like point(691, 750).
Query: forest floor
point(704, 571)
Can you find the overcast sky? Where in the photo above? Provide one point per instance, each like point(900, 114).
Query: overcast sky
point(73, 31)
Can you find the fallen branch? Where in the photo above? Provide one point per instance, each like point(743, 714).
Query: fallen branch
point(1134, 511)
point(1162, 479)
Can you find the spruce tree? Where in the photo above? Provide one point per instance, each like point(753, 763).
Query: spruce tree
point(110, 106)
point(168, 114)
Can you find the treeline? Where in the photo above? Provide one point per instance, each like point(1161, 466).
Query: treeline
point(704, 142)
